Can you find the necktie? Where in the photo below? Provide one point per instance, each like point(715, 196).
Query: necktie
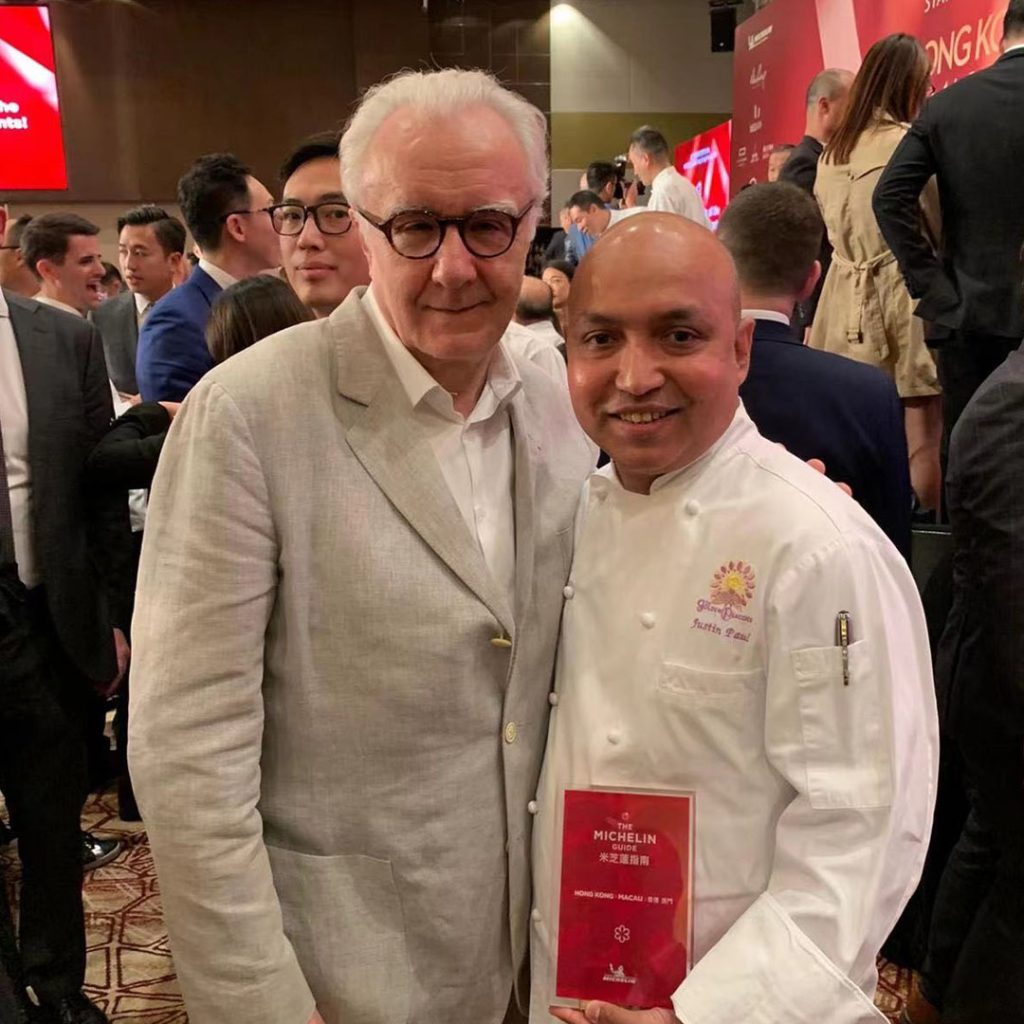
point(6, 519)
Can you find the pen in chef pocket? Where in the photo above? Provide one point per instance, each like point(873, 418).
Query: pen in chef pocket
point(843, 643)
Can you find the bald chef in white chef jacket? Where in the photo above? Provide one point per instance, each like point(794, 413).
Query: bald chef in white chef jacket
point(699, 653)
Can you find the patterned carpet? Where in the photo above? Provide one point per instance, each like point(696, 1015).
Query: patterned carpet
point(130, 972)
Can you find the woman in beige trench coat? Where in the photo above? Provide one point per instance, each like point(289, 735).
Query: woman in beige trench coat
point(865, 311)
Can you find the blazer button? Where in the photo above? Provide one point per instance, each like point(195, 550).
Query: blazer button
point(535, 914)
point(568, 591)
point(501, 641)
point(532, 806)
point(614, 737)
point(692, 507)
point(647, 620)
point(511, 732)
point(553, 699)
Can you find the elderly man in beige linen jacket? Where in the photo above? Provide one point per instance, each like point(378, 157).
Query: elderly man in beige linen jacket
point(341, 683)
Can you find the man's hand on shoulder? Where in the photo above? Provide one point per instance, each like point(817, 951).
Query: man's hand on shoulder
point(607, 1013)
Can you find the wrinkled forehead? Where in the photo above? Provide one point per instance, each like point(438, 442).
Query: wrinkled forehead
point(452, 165)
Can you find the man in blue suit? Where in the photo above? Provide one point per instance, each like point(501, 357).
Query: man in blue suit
point(817, 404)
point(227, 211)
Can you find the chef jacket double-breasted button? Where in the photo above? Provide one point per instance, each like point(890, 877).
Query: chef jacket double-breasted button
point(568, 591)
point(553, 699)
point(692, 507)
point(647, 620)
point(511, 732)
point(532, 807)
point(614, 737)
point(535, 914)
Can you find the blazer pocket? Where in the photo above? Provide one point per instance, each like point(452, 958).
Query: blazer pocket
point(343, 917)
point(845, 733)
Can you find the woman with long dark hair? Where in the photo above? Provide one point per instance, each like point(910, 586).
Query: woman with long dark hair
point(865, 311)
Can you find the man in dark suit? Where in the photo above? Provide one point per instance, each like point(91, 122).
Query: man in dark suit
point(151, 248)
point(826, 103)
point(971, 137)
point(974, 972)
point(228, 212)
point(64, 564)
point(817, 404)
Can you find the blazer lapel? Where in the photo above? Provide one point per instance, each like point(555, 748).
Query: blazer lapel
point(387, 442)
point(37, 368)
point(525, 510)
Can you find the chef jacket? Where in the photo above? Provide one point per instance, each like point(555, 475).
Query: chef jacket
point(699, 653)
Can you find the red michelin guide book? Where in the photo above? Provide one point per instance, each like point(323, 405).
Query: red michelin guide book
point(625, 919)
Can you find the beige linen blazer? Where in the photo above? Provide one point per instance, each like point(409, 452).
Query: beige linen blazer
point(333, 759)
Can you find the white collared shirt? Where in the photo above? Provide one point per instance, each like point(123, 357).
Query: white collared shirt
point(222, 277)
point(1010, 49)
point(142, 306)
point(672, 193)
point(14, 423)
point(766, 314)
point(475, 452)
point(57, 304)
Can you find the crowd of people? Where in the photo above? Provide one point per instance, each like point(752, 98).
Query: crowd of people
point(314, 503)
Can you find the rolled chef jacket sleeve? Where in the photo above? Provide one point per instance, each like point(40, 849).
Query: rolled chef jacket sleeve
point(862, 761)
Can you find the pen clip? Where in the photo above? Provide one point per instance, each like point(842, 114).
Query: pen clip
point(843, 643)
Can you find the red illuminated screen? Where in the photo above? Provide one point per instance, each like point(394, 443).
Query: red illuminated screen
point(704, 159)
point(31, 143)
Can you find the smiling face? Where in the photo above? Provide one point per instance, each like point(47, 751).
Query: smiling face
point(452, 306)
point(322, 268)
point(76, 281)
point(657, 351)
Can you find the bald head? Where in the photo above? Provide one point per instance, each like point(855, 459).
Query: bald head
point(826, 102)
point(536, 302)
point(637, 245)
point(656, 348)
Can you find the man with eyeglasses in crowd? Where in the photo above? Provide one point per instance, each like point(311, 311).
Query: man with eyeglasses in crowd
point(320, 250)
point(349, 646)
point(227, 211)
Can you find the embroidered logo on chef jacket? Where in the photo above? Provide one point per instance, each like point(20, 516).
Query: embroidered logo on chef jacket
point(732, 588)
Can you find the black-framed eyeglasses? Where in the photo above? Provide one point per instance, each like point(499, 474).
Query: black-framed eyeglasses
point(418, 234)
point(331, 217)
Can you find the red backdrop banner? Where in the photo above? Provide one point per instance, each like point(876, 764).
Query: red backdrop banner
point(704, 159)
point(31, 141)
point(782, 47)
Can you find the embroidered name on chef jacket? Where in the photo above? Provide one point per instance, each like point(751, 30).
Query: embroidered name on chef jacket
point(724, 612)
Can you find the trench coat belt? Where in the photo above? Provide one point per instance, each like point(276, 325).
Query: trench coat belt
point(863, 273)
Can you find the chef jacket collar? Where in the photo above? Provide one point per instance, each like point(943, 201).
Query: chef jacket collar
point(606, 480)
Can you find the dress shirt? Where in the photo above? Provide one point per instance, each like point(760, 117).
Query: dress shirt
point(142, 307)
point(537, 346)
point(474, 452)
point(766, 314)
point(222, 277)
point(56, 304)
point(617, 215)
point(546, 332)
point(672, 193)
point(14, 423)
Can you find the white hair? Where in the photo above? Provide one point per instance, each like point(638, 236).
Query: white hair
point(442, 94)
